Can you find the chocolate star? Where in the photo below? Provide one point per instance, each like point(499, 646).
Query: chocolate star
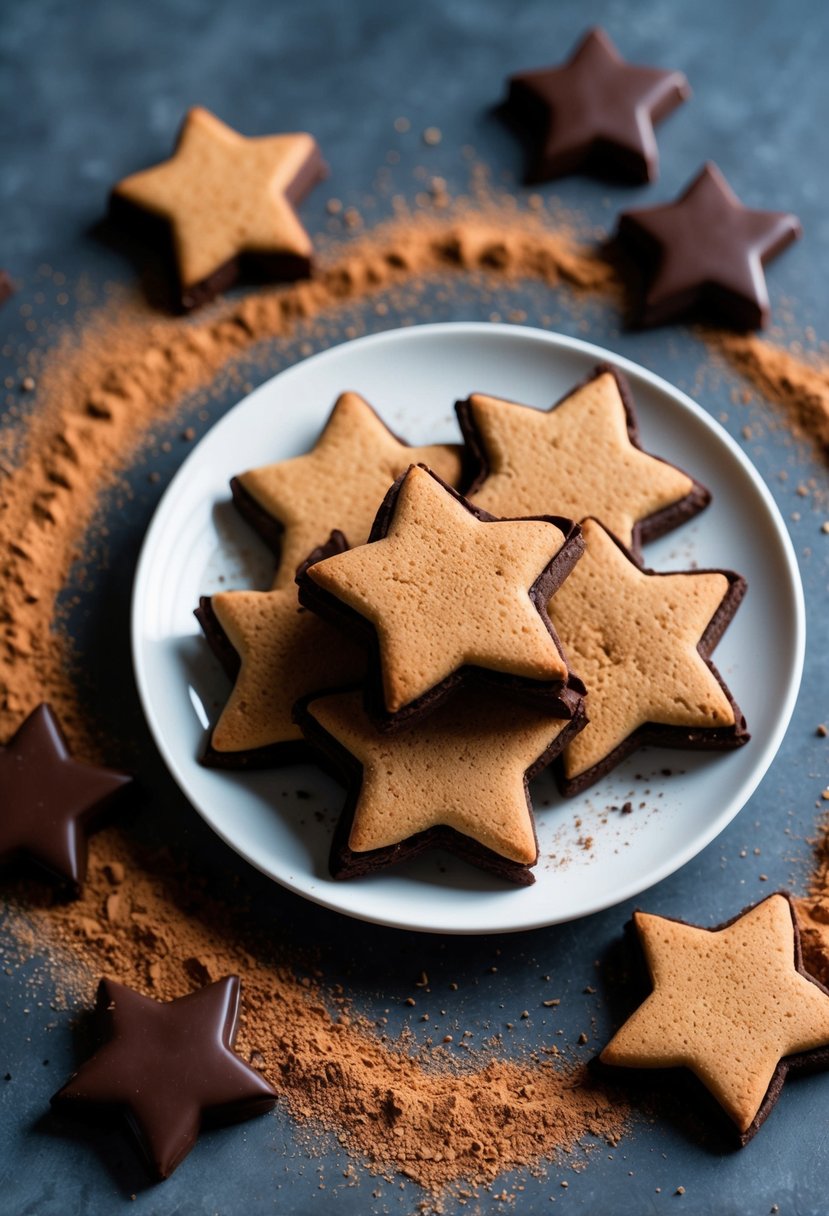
point(47, 798)
point(705, 252)
point(338, 486)
point(457, 780)
point(168, 1066)
point(228, 200)
point(640, 642)
point(596, 112)
point(581, 457)
point(733, 1005)
point(442, 588)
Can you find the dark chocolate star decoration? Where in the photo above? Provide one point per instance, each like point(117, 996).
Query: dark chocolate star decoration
point(705, 252)
point(168, 1066)
point(47, 798)
point(595, 112)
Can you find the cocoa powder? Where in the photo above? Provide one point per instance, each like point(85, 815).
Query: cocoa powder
point(798, 384)
point(98, 393)
point(141, 919)
point(145, 920)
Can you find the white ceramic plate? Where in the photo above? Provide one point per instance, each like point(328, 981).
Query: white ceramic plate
point(590, 856)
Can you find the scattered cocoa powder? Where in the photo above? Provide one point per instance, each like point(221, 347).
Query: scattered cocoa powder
point(140, 919)
point(813, 911)
point(146, 921)
point(784, 378)
point(98, 393)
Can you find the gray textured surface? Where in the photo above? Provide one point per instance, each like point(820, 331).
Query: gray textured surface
point(91, 91)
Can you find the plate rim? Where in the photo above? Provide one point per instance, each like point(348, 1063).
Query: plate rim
point(562, 342)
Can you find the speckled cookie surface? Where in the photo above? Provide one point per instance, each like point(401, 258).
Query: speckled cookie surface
point(634, 637)
point(283, 652)
point(730, 1004)
point(224, 196)
point(443, 590)
point(464, 768)
point(338, 485)
point(579, 458)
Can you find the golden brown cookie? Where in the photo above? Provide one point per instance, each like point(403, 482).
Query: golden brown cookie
point(732, 1004)
point(457, 780)
point(228, 200)
point(275, 652)
point(581, 457)
point(640, 641)
point(339, 485)
point(442, 591)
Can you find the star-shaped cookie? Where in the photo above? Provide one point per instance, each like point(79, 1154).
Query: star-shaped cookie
point(47, 798)
point(338, 486)
point(581, 457)
point(705, 253)
point(595, 112)
point(640, 641)
point(228, 202)
point(442, 591)
point(275, 652)
point(169, 1067)
point(733, 1005)
point(457, 780)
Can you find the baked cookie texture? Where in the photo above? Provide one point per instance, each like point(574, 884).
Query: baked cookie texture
point(275, 652)
point(581, 457)
point(595, 112)
point(733, 1004)
point(442, 589)
point(338, 486)
point(227, 200)
point(457, 780)
point(641, 641)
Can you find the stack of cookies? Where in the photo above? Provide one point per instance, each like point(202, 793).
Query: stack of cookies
point(445, 622)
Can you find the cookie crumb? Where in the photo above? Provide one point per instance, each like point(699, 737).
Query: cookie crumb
point(432, 136)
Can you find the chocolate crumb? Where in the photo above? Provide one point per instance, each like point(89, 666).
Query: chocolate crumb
point(627, 808)
point(6, 286)
point(821, 731)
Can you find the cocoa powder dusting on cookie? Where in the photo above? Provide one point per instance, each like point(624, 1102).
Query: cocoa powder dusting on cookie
point(146, 921)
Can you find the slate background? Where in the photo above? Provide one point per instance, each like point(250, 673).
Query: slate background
point(91, 91)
